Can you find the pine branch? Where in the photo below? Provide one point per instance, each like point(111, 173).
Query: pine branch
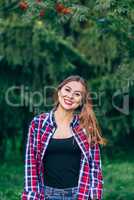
point(9, 7)
point(75, 57)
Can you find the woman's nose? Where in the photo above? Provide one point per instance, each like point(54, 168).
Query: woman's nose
point(70, 95)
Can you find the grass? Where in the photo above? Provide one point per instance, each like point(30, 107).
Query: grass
point(11, 180)
point(118, 179)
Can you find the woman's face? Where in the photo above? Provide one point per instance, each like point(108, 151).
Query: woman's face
point(70, 95)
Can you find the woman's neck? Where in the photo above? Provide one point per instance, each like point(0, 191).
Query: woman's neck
point(63, 116)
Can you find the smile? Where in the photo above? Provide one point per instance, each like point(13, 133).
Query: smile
point(68, 102)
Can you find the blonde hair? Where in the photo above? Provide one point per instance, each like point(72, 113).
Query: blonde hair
point(87, 116)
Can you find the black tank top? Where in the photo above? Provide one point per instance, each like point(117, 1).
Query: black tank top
point(62, 163)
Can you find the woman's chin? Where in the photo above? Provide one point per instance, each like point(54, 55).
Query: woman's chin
point(68, 107)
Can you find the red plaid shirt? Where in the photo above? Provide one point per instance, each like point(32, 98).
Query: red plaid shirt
point(40, 132)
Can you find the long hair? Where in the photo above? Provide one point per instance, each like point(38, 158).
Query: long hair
point(87, 116)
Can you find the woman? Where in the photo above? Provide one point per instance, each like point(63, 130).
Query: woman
point(62, 154)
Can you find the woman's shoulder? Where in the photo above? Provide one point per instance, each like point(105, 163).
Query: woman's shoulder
point(40, 117)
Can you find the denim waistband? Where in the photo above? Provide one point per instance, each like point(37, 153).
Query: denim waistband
point(58, 191)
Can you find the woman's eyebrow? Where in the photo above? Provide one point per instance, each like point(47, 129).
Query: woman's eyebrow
point(71, 89)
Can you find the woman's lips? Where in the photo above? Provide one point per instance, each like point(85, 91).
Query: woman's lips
point(68, 102)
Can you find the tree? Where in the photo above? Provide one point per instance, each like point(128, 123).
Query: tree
point(94, 39)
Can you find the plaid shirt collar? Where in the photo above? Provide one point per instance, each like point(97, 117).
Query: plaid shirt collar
point(51, 119)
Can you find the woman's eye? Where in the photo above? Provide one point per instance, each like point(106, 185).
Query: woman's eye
point(77, 94)
point(67, 89)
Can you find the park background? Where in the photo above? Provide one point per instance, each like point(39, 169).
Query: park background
point(41, 43)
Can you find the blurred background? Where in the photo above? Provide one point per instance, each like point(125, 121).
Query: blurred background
point(41, 43)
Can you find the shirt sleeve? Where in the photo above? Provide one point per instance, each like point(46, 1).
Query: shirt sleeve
point(96, 178)
point(31, 184)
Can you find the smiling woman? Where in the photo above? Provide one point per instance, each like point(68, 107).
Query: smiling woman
point(63, 154)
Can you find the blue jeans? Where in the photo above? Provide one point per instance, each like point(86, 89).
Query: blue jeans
point(60, 194)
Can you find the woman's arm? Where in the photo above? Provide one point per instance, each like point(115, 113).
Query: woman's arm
point(31, 185)
point(96, 179)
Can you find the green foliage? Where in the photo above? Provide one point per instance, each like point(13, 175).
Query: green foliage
point(118, 181)
point(95, 40)
point(51, 11)
point(11, 181)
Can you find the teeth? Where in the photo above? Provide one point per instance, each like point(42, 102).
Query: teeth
point(68, 102)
